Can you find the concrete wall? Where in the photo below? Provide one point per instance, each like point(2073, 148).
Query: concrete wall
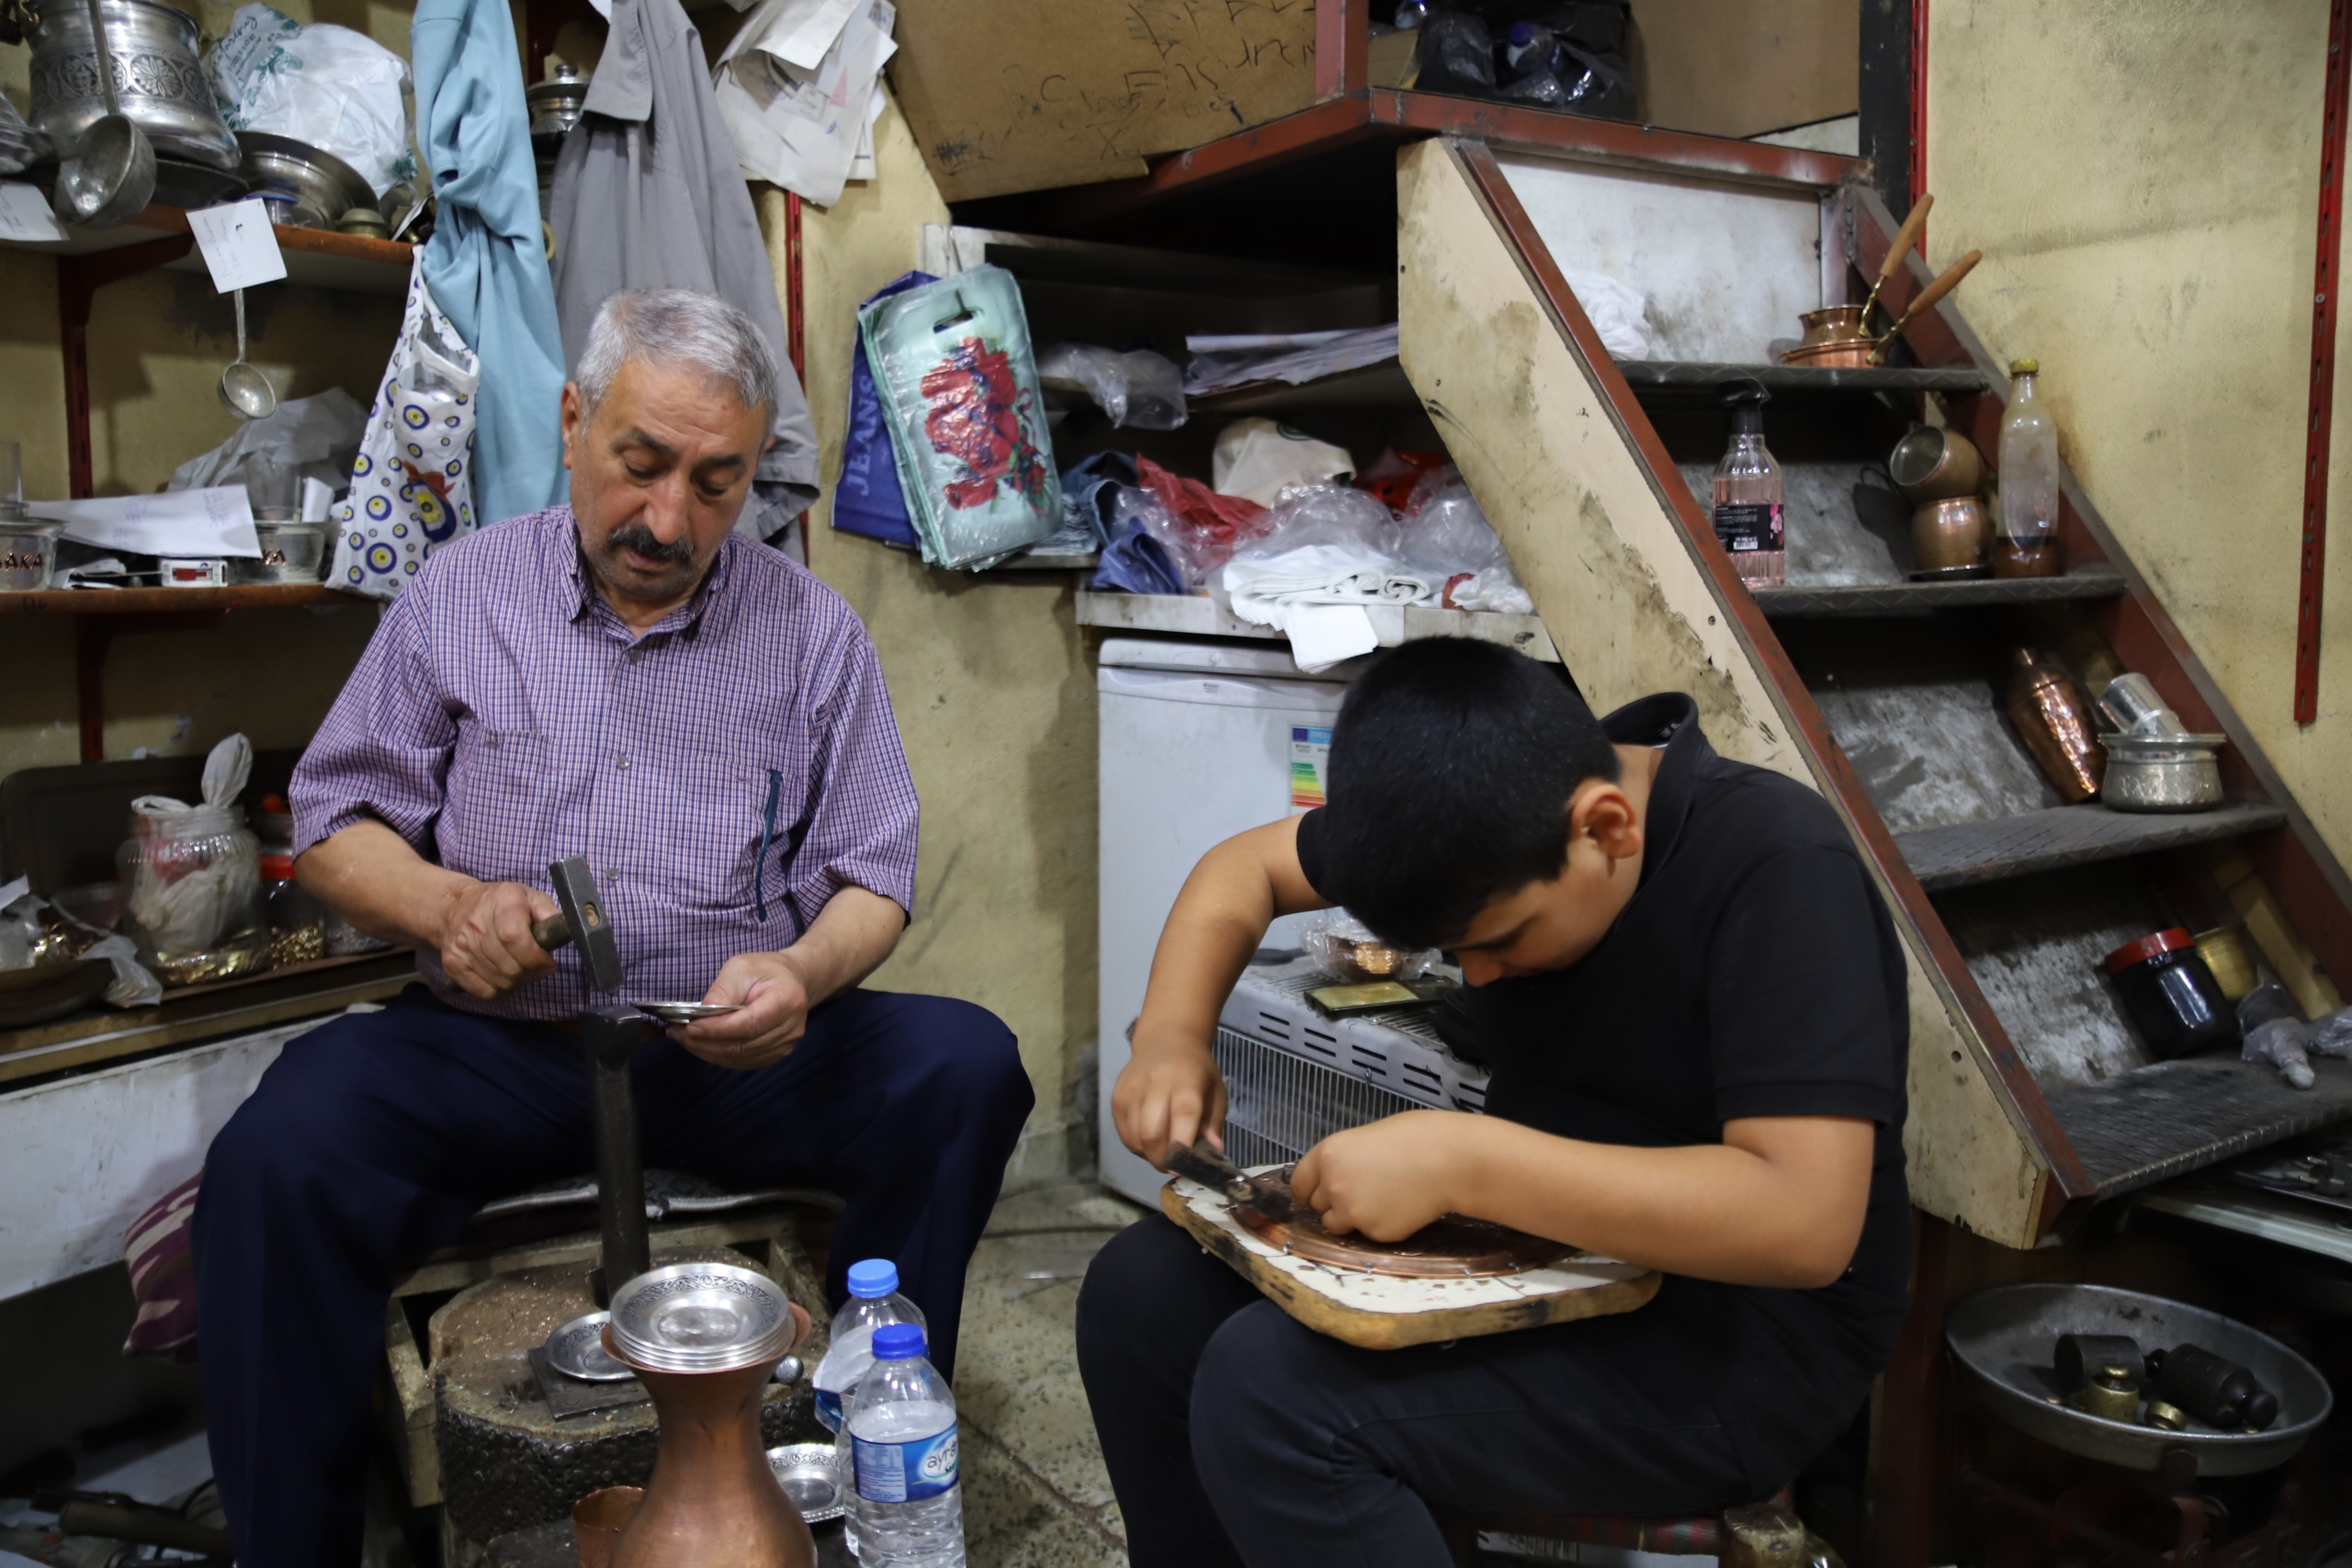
point(2144, 182)
point(995, 701)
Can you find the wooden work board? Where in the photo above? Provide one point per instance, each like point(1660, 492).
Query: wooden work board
point(1380, 1312)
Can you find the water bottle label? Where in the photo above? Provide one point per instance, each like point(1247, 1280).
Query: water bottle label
point(905, 1473)
point(829, 1409)
point(1753, 527)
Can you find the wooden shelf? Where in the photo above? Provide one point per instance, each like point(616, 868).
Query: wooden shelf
point(203, 1012)
point(168, 601)
point(1381, 386)
point(319, 258)
point(1904, 598)
point(1970, 853)
point(1646, 375)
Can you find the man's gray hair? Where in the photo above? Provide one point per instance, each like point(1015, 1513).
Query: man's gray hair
point(677, 329)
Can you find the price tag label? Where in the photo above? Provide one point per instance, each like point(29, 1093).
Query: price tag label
point(25, 215)
point(239, 246)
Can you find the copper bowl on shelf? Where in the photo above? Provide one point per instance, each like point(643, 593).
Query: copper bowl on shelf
point(1833, 338)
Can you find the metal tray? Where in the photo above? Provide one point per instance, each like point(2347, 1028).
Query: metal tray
point(2006, 1339)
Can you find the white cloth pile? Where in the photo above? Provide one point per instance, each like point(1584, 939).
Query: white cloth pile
point(1316, 594)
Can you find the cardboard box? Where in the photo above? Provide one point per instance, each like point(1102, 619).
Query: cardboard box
point(1005, 98)
point(1745, 67)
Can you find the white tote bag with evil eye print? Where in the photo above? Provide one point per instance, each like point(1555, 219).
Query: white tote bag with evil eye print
point(412, 488)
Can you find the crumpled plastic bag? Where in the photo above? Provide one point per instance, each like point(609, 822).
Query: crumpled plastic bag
point(1346, 947)
point(316, 436)
point(322, 85)
point(1617, 312)
point(187, 905)
point(2276, 1033)
point(29, 923)
point(1137, 387)
point(1134, 561)
point(1445, 536)
point(1257, 459)
point(1199, 529)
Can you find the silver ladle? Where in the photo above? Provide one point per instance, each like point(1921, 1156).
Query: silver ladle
point(243, 389)
point(109, 177)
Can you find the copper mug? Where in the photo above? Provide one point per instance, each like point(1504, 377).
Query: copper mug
point(1950, 533)
point(1935, 464)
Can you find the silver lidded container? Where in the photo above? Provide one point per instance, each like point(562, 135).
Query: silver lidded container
point(701, 1317)
point(2162, 773)
point(161, 84)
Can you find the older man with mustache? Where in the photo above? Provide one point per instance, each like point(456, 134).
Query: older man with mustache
point(629, 680)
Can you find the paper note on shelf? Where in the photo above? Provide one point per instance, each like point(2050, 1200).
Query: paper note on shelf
point(25, 217)
point(239, 246)
point(187, 523)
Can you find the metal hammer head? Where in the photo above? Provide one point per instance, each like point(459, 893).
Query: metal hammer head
point(583, 911)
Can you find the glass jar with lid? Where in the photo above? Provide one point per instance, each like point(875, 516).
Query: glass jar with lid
point(192, 897)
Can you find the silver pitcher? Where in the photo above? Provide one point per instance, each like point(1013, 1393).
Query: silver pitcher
point(162, 86)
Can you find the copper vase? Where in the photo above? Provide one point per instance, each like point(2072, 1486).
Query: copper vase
point(714, 1502)
point(2053, 718)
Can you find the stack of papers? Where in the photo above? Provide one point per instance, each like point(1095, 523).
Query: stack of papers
point(800, 89)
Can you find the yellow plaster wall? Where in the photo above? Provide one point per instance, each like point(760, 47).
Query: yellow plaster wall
point(2144, 182)
point(995, 701)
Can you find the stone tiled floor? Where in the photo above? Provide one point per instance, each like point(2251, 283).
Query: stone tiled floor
point(1035, 1491)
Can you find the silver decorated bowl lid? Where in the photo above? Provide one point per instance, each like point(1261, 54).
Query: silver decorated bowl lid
point(701, 1317)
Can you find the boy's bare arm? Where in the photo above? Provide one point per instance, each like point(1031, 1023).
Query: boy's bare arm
point(1778, 1202)
point(1170, 1092)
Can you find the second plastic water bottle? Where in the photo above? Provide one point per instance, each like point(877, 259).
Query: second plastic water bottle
point(909, 1508)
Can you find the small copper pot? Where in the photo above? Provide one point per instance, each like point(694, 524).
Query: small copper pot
point(1935, 464)
point(1950, 533)
point(1833, 339)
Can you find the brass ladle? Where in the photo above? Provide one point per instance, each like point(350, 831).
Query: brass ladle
point(109, 176)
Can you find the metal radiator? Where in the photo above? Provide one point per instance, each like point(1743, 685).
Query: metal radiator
point(1293, 1077)
point(1278, 1106)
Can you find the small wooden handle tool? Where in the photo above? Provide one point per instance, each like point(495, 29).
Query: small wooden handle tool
point(1904, 238)
point(1944, 284)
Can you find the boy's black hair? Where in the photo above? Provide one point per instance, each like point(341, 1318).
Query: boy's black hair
point(1451, 768)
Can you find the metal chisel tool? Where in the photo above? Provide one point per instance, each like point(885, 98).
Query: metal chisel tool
point(1202, 1163)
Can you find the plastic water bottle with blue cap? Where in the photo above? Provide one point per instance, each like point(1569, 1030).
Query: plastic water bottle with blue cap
point(873, 1303)
point(909, 1508)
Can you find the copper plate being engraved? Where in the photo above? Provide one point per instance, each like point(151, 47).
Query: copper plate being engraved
point(1450, 1248)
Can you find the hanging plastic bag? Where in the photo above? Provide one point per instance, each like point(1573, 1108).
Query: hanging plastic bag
point(412, 485)
point(867, 500)
point(322, 85)
point(959, 389)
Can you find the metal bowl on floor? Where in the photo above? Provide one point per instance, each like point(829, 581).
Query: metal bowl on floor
point(304, 186)
point(810, 1474)
point(2006, 1340)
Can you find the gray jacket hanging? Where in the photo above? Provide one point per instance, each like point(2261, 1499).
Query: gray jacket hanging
point(648, 195)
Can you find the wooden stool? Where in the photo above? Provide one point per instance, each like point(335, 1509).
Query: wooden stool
point(533, 1233)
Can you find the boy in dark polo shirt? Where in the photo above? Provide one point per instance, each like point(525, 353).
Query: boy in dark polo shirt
point(1693, 1003)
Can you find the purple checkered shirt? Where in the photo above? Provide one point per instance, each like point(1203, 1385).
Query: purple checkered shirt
point(503, 717)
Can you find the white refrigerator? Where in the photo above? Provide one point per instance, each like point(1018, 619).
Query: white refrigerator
point(1198, 742)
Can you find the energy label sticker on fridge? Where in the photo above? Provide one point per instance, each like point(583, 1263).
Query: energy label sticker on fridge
point(1310, 754)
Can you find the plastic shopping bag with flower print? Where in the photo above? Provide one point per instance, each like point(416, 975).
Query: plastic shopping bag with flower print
point(411, 486)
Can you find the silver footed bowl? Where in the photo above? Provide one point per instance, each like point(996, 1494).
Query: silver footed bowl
point(701, 1317)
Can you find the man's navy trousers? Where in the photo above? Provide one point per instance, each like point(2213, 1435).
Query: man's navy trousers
point(372, 1139)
